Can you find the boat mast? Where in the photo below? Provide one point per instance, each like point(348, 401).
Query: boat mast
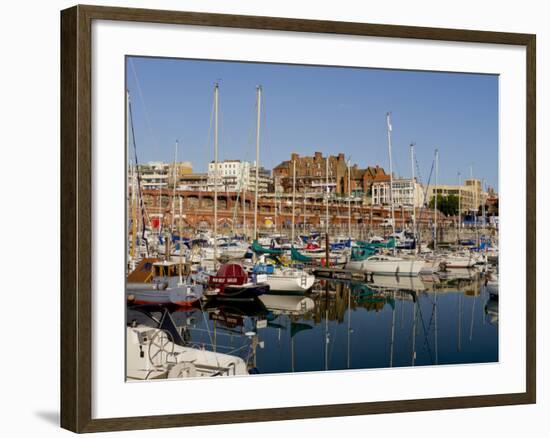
point(216, 103)
point(304, 207)
point(483, 205)
point(436, 194)
point(244, 212)
point(349, 200)
point(180, 232)
point(327, 193)
point(161, 216)
point(459, 207)
point(388, 122)
point(129, 187)
point(259, 106)
point(134, 217)
point(276, 212)
point(293, 199)
point(174, 187)
point(413, 194)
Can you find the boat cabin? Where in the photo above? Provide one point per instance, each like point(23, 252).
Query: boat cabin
point(229, 274)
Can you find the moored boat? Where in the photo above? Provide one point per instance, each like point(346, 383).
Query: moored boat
point(151, 353)
point(232, 282)
point(160, 282)
point(390, 265)
point(281, 278)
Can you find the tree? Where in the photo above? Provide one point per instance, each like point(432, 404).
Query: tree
point(448, 205)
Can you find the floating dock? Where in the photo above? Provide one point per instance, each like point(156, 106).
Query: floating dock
point(342, 274)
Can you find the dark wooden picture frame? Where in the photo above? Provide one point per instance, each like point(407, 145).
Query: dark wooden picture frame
point(76, 217)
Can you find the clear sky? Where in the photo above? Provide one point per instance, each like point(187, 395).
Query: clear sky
point(309, 108)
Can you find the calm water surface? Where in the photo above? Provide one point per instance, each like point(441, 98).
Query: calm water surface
point(389, 322)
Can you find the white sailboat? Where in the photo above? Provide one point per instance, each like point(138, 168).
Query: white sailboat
point(386, 264)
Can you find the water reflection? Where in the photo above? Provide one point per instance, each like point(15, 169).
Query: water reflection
point(386, 322)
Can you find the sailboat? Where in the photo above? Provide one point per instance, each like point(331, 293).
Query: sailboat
point(391, 264)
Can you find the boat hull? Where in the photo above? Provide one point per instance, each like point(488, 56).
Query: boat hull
point(243, 292)
point(409, 268)
point(287, 283)
point(181, 296)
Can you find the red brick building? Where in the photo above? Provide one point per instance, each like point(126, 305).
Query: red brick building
point(311, 175)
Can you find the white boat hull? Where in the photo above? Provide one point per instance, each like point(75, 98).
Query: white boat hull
point(290, 283)
point(405, 267)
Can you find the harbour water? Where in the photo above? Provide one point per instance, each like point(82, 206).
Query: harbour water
point(338, 325)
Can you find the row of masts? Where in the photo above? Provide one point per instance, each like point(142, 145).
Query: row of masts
point(256, 191)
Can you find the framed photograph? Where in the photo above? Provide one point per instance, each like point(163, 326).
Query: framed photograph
point(270, 218)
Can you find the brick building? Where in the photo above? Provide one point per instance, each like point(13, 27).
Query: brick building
point(311, 175)
point(361, 180)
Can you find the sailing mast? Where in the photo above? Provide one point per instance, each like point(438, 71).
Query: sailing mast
point(304, 207)
point(349, 200)
point(259, 106)
point(436, 190)
point(130, 187)
point(244, 212)
point(327, 193)
point(180, 232)
point(216, 103)
point(174, 172)
point(458, 224)
point(414, 194)
point(388, 122)
point(293, 199)
point(483, 204)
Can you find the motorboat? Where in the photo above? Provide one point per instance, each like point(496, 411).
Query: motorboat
point(161, 282)
point(390, 265)
point(282, 278)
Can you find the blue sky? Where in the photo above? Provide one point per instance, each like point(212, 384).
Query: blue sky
point(309, 108)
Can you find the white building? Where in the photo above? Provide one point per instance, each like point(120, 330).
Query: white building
point(236, 175)
point(233, 175)
point(406, 192)
point(160, 175)
point(155, 175)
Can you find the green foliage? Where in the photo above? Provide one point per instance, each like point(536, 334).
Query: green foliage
point(448, 205)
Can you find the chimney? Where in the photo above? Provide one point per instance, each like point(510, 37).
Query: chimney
point(341, 157)
point(294, 156)
point(318, 155)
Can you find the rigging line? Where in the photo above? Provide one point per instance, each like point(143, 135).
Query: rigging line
point(145, 111)
point(425, 204)
point(141, 203)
